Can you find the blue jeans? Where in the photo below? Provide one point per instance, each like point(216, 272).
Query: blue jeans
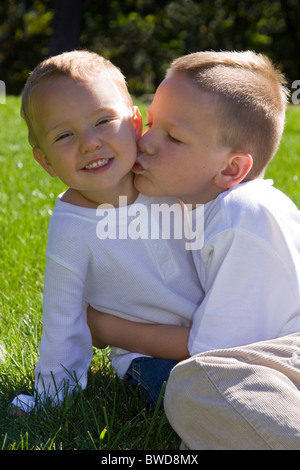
point(149, 374)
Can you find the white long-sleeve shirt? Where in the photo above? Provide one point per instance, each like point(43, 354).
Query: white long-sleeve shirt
point(142, 279)
point(249, 268)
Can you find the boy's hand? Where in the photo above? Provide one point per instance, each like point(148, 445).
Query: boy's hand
point(18, 412)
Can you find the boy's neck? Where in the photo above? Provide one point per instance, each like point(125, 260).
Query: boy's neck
point(201, 199)
point(93, 200)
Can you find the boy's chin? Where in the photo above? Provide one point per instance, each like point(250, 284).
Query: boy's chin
point(145, 187)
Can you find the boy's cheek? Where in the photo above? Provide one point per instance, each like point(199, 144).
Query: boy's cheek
point(150, 186)
point(142, 185)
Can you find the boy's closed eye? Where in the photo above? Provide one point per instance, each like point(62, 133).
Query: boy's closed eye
point(170, 137)
point(174, 140)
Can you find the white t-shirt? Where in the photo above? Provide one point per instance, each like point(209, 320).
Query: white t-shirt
point(249, 268)
point(142, 279)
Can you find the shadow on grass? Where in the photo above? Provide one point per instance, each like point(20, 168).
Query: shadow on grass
point(107, 415)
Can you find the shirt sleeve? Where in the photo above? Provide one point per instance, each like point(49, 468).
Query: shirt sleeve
point(248, 293)
point(66, 343)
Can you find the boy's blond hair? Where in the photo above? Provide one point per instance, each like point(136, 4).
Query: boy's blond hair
point(253, 100)
point(77, 65)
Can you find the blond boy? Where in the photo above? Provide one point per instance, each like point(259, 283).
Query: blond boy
point(84, 129)
point(214, 125)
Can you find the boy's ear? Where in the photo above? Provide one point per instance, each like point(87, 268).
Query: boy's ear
point(238, 166)
point(137, 121)
point(41, 158)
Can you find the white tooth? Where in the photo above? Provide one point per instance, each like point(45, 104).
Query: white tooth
point(97, 164)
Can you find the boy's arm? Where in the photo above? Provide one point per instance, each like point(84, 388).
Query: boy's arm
point(157, 340)
point(66, 346)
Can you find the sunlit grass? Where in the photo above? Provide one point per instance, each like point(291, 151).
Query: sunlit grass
point(285, 167)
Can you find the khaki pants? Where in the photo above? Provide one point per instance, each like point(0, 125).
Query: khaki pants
point(237, 399)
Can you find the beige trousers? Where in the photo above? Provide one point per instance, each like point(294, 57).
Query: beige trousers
point(244, 398)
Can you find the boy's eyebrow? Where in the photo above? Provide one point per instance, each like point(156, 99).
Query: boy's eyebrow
point(52, 129)
point(171, 122)
point(103, 111)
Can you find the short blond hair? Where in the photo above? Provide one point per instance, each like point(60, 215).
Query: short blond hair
point(253, 99)
point(77, 65)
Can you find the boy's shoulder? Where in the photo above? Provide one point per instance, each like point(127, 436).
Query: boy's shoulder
point(254, 195)
point(250, 206)
point(257, 196)
point(70, 221)
point(71, 234)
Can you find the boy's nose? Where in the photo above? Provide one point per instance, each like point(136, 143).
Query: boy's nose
point(146, 144)
point(89, 141)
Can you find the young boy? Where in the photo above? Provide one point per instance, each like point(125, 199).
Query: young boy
point(84, 128)
point(213, 126)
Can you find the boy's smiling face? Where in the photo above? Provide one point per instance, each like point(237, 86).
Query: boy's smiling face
point(86, 135)
point(179, 154)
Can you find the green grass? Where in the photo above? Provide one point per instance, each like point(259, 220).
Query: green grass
point(108, 414)
point(285, 167)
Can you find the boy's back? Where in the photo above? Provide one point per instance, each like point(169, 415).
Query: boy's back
point(249, 268)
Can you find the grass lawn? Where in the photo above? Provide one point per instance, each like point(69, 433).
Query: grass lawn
point(107, 415)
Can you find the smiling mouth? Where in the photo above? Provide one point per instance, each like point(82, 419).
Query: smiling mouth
point(97, 164)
